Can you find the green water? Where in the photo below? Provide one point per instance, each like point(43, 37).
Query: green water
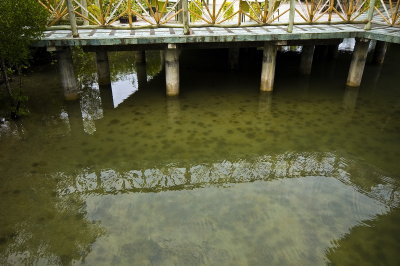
point(221, 175)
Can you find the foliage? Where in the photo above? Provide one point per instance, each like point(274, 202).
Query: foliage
point(195, 7)
point(21, 22)
point(227, 8)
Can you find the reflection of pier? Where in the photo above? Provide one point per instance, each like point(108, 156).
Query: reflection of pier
point(268, 167)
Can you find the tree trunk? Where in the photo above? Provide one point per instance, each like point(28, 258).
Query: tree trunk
point(5, 76)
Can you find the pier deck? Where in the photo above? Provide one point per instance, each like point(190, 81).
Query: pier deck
point(168, 35)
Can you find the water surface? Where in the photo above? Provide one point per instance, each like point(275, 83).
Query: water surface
point(221, 175)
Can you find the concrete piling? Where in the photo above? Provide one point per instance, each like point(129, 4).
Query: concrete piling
point(358, 63)
point(103, 67)
point(66, 68)
point(172, 70)
point(379, 53)
point(268, 67)
point(307, 56)
point(234, 58)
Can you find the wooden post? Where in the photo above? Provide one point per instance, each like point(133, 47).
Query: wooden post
point(240, 13)
point(185, 17)
point(331, 3)
point(67, 74)
point(85, 12)
point(358, 63)
point(72, 19)
point(306, 59)
point(268, 67)
point(129, 7)
point(172, 70)
point(291, 15)
point(103, 67)
point(379, 53)
point(370, 14)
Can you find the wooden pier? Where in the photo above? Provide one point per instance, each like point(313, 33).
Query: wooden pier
point(174, 25)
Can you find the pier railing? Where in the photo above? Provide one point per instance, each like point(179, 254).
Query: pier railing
point(222, 13)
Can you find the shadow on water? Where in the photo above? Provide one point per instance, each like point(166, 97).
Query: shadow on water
point(221, 175)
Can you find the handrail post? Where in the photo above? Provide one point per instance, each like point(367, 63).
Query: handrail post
point(72, 19)
point(370, 14)
point(85, 12)
point(185, 17)
point(291, 15)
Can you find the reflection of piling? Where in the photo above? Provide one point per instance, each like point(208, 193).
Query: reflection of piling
point(73, 108)
point(350, 99)
point(358, 63)
point(265, 102)
point(307, 59)
point(67, 75)
point(140, 57)
point(106, 95)
point(103, 67)
point(268, 67)
point(140, 66)
point(173, 109)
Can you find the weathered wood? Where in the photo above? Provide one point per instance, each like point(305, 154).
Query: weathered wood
point(370, 14)
point(185, 17)
point(72, 19)
point(291, 15)
point(85, 12)
point(114, 37)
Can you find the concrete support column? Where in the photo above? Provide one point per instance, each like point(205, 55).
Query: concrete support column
point(234, 58)
point(103, 67)
point(306, 59)
point(172, 70)
point(379, 53)
point(67, 74)
point(268, 67)
point(358, 63)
